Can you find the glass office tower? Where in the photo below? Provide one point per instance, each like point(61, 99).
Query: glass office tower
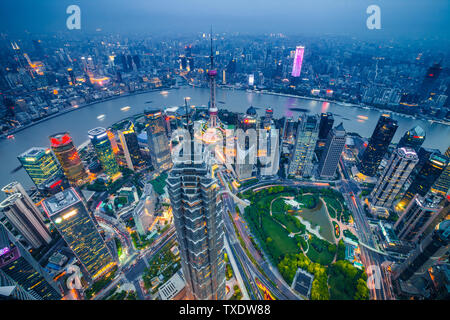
point(103, 149)
point(71, 218)
point(40, 164)
point(378, 145)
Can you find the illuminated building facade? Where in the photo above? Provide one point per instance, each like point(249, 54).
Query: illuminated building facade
point(130, 145)
point(416, 218)
point(212, 73)
point(307, 133)
point(67, 155)
point(413, 138)
point(378, 145)
point(158, 142)
point(198, 218)
point(298, 61)
point(442, 185)
point(26, 218)
point(144, 212)
point(332, 154)
point(425, 178)
point(40, 164)
point(22, 270)
point(428, 252)
point(398, 169)
point(71, 218)
point(103, 149)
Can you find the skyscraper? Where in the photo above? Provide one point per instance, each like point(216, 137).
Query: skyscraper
point(67, 155)
point(26, 219)
point(442, 185)
point(423, 181)
point(378, 145)
point(103, 149)
point(307, 133)
point(158, 143)
point(326, 123)
point(418, 215)
point(430, 250)
point(71, 218)
point(130, 145)
point(197, 212)
point(212, 73)
point(398, 169)
point(413, 138)
point(298, 60)
point(429, 80)
point(40, 164)
point(332, 153)
point(20, 268)
point(144, 212)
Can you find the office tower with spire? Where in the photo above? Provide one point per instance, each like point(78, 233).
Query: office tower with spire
point(103, 149)
point(158, 142)
point(130, 145)
point(198, 218)
point(40, 164)
point(71, 218)
point(398, 169)
point(67, 155)
point(424, 179)
point(307, 133)
point(413, 138)
point(18, 268)
point(332, 154)
point(378, 145)
point(212, 73)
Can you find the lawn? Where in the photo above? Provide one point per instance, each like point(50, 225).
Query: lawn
point(321, 251)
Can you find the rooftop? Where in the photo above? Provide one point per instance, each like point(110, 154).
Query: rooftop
point(61, 201)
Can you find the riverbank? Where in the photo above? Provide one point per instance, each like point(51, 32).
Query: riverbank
point(344, 104)
point(65, 111)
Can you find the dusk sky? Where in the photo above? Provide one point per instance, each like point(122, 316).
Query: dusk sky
point(423, 18)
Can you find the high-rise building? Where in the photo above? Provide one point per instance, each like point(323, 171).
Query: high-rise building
point(378, 145)
point(198, 218)
point(298, 60)
point(20, 269)
point(269, 154)
point(416, 218)
point(67, 155)
point(442, 185)
point(144, 212)
point(130, 145)
point(413, 138)
point(103, 149)
point(428, 252)
point(246, 147)
point(26, 219)
point(425, 178)
point(332, 154)
point(398, 169)
point(158, 143)
point(268, 118)
point(429, 80)
point(40, 164)
point(326, 123)
point(212, 73)
point(71, 218)
point(307, 133)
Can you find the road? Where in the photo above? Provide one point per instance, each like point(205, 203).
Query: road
point(276, 285)
point(379, 290)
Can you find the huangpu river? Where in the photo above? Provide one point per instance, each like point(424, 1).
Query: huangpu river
point(105, 113)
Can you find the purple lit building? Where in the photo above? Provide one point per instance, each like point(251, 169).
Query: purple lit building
point(298, 59)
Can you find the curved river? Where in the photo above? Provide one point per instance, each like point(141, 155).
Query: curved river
point(78, 122)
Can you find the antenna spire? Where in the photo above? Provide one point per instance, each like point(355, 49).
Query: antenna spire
point(212, 55)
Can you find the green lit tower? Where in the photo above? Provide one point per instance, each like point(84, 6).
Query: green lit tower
point(40, 164)
point(102, 145)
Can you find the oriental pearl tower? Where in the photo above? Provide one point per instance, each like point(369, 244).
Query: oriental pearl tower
point(212, 73)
